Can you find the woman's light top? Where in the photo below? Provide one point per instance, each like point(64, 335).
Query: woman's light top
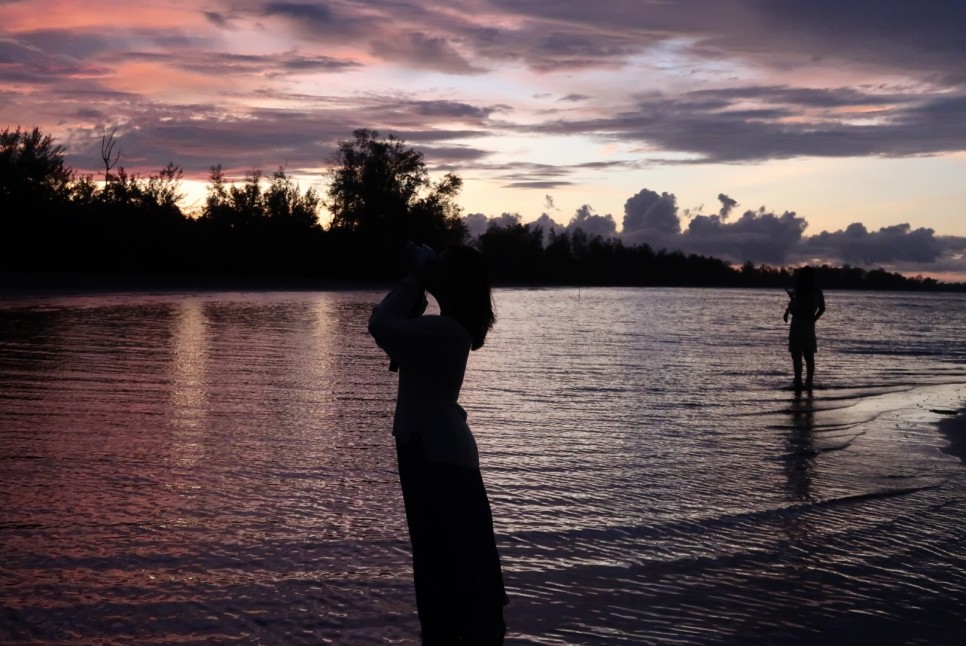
point(431, 352)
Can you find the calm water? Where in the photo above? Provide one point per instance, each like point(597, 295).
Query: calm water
point(217, 468)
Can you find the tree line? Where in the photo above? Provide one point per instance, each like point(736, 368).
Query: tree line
point(56, 221)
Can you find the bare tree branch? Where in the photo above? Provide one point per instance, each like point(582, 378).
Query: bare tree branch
point(110, 157)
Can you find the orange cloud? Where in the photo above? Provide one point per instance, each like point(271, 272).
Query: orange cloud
point(157, 80)
point(69, 14)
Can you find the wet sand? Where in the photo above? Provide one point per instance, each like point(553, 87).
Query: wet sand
point(953, 428)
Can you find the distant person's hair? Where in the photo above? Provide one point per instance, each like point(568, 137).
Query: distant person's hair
point(470, 300)
point(805, 280)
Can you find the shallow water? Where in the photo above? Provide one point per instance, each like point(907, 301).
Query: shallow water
point(198, 468)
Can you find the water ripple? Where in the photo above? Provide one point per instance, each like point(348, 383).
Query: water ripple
point(217, 468)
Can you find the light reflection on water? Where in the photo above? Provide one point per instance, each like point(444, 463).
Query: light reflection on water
point(217, 467)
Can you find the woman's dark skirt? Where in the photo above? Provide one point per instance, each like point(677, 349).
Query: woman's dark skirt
point(456, 568)
point(801, 337)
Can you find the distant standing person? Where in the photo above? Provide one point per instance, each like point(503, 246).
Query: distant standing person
point(456, 567)
point(806, 306)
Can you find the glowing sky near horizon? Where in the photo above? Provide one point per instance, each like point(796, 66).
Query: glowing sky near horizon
point(851, 116)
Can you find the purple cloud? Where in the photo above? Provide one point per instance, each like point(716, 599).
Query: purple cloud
point(592, 224)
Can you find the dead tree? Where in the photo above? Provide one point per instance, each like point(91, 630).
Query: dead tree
point(108, 154)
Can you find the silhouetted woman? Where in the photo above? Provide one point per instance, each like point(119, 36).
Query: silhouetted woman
point(456, 568)
point(806, 306)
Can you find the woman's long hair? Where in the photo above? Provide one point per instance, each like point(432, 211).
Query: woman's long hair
point(470, 300)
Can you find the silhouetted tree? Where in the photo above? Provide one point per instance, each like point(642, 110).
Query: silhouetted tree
point(32, 170)
point(254, 230)
point(232, 207)
point(130, 223)
point(154, 196)
point(514, 253)
point(286, 206)
point(558, 260)
point(380, 195)
point(295, 239)
point(217, 210)
point(34, 190)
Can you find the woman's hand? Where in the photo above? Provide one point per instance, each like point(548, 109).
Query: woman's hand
point(419, 259)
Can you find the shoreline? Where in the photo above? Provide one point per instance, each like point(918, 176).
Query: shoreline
point(43, 283)
point(53, 284)
point(934, 414)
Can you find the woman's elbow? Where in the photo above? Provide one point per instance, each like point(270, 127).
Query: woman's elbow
point(376, 328)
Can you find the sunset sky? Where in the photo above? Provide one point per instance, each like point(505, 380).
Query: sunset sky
point(782, 131)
